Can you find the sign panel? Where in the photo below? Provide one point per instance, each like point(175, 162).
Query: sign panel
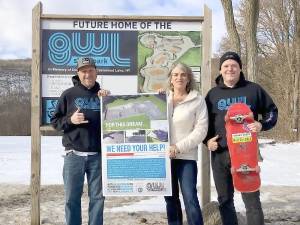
point(64, 47)
point(135, 137)
point(132, 56)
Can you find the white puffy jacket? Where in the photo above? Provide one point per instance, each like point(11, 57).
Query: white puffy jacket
point(188, 124)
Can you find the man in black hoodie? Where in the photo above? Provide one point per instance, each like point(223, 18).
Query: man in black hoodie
point(232, 87)
point(77, 114)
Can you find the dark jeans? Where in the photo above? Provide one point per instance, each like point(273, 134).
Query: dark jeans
point(223, 181)
point(184, 172)
point(75, 168)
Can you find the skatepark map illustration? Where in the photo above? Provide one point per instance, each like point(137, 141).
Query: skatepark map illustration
point(157, 51)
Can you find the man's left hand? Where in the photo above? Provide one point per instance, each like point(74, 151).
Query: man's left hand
point(255, 127)
point(103, 92)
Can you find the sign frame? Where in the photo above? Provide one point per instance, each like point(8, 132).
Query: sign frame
point(37, 127)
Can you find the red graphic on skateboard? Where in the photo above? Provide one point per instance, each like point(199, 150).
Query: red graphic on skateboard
point(243, 148)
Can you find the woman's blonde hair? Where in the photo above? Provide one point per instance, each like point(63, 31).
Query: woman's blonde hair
point(186, 69)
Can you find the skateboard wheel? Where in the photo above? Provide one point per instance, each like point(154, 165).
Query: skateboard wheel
point(257, 169)
point(251, 115)
point(226, 118)
point(245, 169)
point(239, 118)
point(232, 170)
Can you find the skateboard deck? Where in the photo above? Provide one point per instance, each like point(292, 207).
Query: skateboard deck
point(243, 148)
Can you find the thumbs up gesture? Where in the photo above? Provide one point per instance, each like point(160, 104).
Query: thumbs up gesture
point(212, 143)
point(78, 117)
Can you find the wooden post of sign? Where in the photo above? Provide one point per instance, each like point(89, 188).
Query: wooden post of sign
point(35, 180)
point(205, 87)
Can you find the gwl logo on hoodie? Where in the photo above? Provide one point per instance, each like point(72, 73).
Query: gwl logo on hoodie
point(88, 103)
point(224, 103)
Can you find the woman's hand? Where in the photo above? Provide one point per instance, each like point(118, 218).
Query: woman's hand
point(173, 151)
point(161, 91)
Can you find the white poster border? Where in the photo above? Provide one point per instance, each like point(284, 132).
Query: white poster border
point(127, 154)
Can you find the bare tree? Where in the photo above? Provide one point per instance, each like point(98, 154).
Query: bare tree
point(279, 38)
point(231, 27)
point(251, 9)
point(251, 19)
point(296, 101)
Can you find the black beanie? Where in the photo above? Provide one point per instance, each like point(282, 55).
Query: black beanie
point(230, 55)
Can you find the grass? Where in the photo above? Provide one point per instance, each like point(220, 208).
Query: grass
point(192, 58)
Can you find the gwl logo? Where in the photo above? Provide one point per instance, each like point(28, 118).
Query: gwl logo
point(224, 103)
point(65, 50)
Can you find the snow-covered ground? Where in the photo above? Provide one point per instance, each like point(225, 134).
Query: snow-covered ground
point(15, 160)
point(279, 168)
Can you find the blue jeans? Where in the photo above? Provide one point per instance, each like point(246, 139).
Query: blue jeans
point(184, 171)
point(75, 168)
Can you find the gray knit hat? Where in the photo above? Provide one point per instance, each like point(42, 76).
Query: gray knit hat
point(230, 55)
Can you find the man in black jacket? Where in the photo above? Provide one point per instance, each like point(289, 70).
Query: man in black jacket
point(77, 114)
point(232, 87)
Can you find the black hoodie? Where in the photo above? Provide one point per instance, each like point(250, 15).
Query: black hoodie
point(83, 137)
point(221, 97)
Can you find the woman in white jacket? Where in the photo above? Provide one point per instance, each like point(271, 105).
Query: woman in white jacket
point(188, 127)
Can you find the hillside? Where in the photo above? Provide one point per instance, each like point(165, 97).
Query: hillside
point(15, 77)
point(15, 87)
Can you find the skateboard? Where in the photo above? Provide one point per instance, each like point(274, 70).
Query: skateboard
point(243, 148)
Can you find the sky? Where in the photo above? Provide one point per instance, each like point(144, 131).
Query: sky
point(15, 17)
